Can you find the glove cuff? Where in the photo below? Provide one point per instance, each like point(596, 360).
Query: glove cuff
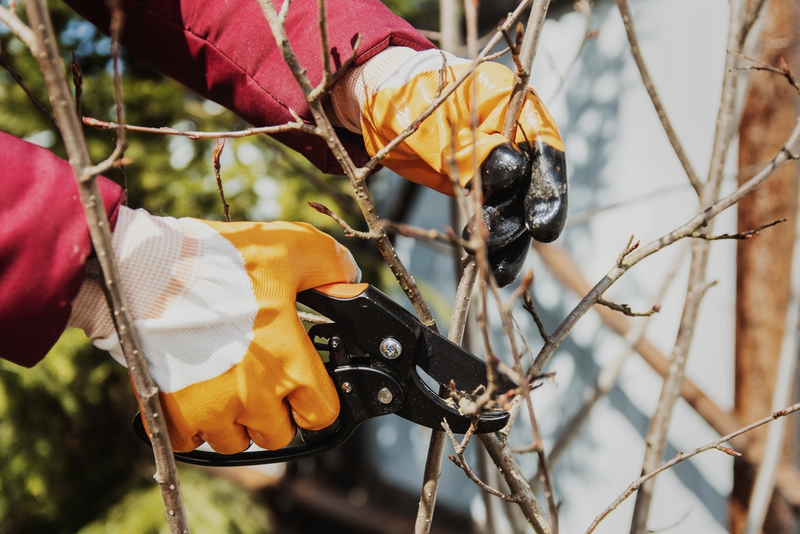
point(157, 259)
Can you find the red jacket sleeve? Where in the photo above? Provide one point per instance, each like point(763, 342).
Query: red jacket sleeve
point(225, 51)
point(44, 243)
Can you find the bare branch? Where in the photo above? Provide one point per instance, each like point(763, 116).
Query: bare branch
point(219, 146)
point(121, 143)
point(749, 20)
point(497, 447)
point(528, 305)
point(18, 28)
point(627, 20)
point(164, 130)
point(448, 236)
point(17, 78)
point(461, 463)
point(625, 309)
point(47, 55)
point(636, 484)
point(783, 71)
point(433, 461)
point(526, 55)
point(609, 373)
point(702, 218)
point(378, 157)
point(348, 230)
point(559, 262)
point(77, 80)
point(357, 176)
point(740, 236)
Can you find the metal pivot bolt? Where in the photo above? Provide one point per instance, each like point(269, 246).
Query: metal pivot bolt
point(385, 396)
point(347, 387)
point(391, 348)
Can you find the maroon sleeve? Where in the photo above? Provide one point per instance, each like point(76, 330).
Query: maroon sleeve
point(225, 51)
point(44, 243)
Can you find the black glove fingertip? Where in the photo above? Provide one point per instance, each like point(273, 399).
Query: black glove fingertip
point(546, 201)
point(506, 263)
point(504, 167)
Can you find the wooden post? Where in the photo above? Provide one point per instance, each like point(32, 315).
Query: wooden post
point(764, 262)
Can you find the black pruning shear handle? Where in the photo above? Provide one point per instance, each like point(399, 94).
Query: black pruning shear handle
point(375, 349)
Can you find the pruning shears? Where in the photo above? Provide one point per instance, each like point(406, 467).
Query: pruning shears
point(375, 350)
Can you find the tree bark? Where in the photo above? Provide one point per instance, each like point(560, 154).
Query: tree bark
point(764, 262)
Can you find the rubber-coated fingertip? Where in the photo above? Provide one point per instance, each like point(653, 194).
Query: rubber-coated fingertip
point(547, 199)
point(506, 166)
point(506, 263)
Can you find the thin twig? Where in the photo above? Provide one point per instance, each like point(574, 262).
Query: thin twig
point(415, 232)
point(312, 175)
point(655, 441)
point(164, 130)
point(625, 309)
point(702, 218)
point(565, 268)
point(77, 80)
point(18, 28)
point(627, 20)
point(585, 8)
point(17, 78)
point(783, 71)
point(348, 230)
point(117, 157)
point(372, 164)
point(219, 146)
point(527, 52)
point(47, 55)
point(528, 305)
point(739, 236)
point(717, 445)
point(630, 247)
point(357, 176)
point(460, 461)
point(763, 487)
point(609, 374)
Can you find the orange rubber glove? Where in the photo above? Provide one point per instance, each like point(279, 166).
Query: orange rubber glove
point(525, 182)
point(214, 305)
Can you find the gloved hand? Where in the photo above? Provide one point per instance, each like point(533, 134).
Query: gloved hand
point(525, 182)
point(214, 305)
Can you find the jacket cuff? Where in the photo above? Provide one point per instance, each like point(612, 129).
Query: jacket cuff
point(44, 245)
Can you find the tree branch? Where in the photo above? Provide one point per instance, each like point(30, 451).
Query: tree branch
point(636, 484)
point(164, 130)
point(50, 64)
point(702, 218)
point(18, 28)
point(627, 20)
point(559, 262)
point(357, 176)
point(17, 78)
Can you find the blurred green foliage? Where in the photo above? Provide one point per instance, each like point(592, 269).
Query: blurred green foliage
point(69, 461)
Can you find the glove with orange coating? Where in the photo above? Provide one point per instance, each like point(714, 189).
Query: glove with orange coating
point(524, 182)
point(214, 305)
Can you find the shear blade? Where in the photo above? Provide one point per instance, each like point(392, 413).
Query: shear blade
point(446, 361)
